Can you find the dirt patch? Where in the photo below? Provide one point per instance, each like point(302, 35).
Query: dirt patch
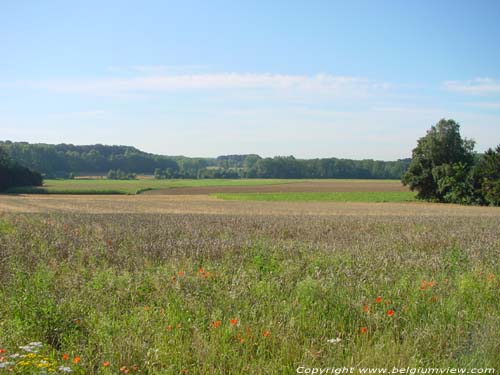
point(296, 187)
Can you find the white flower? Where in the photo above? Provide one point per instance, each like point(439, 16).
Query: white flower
point(334, 341)
point(29, 349)
point(15, 355)
point(36, 343)
point(5, 364)
point(64, 369)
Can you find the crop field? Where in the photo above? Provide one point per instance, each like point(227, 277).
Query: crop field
point(193, 284)
point(104, 186)
point(351, 196)
point(208, 186)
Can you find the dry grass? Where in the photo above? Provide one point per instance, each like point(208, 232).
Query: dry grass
point(203, 204)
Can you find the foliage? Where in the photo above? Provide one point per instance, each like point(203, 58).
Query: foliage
point(487, 177)
point(118, 174)
point(444, 168)
point(62, 160)
point(434, 158)
point(13, 174)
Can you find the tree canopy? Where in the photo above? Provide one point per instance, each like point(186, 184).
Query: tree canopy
point(13, 174)
point(65, 160)
point(443, 168)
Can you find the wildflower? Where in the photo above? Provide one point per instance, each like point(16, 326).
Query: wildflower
point(15, 355)
point(76, 360)
point(135, 367)
point(378, 299)
point(390, 312)
point(124, 369)
point(2, 359)
point(2, 351)
point(266, 333)
point(65, 357)
point(64, 369)
point(233, 322)
point(216, 324)
point(105, 364)
point(180, 273)
point(364, 330)
point(334, 341)
point(366, 308)
point(169, 327)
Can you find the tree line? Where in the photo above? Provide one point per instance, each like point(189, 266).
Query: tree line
point(65, 160)
point(12, 174)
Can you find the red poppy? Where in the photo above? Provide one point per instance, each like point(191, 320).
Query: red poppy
point(233, 321)
point(2, 350)
point(366, 308)
point(76, 360)
point(180, 273)
point(266, 333)
point(216, 324)
point(364, 329)
point(105, 364)
point(65, 357)
point(390, 312)
point(378, 299)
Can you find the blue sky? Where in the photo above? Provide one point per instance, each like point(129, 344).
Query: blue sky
point(354, 79)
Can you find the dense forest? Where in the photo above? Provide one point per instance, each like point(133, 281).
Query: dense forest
point(65, 160)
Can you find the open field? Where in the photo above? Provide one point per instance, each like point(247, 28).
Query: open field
point(192, 284)
point(204, 204)
point(350, 196)
point(209, 186)
point(104, 186)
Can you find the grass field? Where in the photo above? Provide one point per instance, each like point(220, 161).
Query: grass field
point(104, 186)
point(192, 284)
point(352, 196)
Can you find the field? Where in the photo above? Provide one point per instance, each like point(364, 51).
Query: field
point(192, 284)
point(104, 186)
point(189, 187)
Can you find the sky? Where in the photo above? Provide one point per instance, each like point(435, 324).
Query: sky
point(349, 79)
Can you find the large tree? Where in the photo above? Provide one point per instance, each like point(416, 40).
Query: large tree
point(440, 164)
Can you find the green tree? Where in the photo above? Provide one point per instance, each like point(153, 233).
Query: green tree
point(433, 168)
point(487, 177)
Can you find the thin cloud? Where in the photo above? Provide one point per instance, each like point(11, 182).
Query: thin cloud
point(477, 86)
point(485, 105)
point(320, 84)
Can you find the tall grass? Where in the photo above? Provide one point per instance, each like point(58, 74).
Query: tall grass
point(207, 294)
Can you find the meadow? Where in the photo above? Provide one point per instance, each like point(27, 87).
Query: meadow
point(197, 285)
point(99, 186)
point(104, 186)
